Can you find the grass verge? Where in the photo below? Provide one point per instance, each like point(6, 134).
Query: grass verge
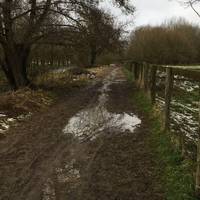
point(128, 75)
point(176, 174)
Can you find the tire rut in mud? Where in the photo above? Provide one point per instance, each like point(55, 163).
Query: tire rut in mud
point(40, 162)
point(32, 151)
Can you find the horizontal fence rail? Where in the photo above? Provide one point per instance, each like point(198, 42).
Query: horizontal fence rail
point(175, 91)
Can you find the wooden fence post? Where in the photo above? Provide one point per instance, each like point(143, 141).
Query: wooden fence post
point(140, 70)
point(142, 76)
point(146, 76)
point(136, 71)
point(168, 94)
point(153, 84)
point(130, 67)
point(197, 186)
point(133, 69)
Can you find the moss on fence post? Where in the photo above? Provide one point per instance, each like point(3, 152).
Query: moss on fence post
point(153, 84)
point(146, 76)
point(168, 95)
point(140, 80)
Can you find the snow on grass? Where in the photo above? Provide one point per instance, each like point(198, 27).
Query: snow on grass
point(184, 109)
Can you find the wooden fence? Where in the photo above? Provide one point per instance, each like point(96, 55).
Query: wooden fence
point(145, 76)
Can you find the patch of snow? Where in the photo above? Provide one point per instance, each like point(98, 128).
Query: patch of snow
point(69, 173)
point(2, 115)
point(11, 120)
point(49, 190)
point(183, 118)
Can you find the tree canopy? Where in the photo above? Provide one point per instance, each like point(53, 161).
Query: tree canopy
point(176, 42)
point(24, 23)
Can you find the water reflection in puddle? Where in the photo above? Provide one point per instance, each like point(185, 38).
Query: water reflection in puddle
point(90, 122)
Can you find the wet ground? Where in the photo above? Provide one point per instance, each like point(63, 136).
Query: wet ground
point(92, 145)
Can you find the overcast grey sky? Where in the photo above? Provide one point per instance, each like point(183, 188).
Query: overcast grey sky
point(155, 12)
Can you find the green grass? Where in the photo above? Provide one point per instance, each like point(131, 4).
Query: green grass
point(185, 97)
point(175, 172)
point(129, 76)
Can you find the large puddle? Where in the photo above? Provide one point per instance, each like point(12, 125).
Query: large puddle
point(87, 125)
point(91, 122)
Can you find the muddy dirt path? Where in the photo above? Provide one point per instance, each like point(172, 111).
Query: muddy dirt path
point(89, 146)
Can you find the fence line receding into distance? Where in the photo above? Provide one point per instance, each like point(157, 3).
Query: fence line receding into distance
point(175, 90)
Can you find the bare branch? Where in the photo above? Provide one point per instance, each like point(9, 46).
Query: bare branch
point(193, 8)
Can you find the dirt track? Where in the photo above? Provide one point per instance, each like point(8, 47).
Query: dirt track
point(39, 161)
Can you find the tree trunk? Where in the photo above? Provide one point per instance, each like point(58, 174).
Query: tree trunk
point(51, 62)
point(93, 58)
point(9, 76)
point(37, 62)
point(15, 66)
point(59, 63)
point(42, 63)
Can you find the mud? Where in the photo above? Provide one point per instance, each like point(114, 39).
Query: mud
point(74, 151)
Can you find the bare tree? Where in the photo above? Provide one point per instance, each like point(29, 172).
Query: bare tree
point(25, 22)
point(193, 4)
point(98, 33)
point(173, 43)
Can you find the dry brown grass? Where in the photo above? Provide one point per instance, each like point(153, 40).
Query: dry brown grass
point(24, 100)
point(100, 71)
point(53, 84)
point(60, 80)
point(54, 79)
